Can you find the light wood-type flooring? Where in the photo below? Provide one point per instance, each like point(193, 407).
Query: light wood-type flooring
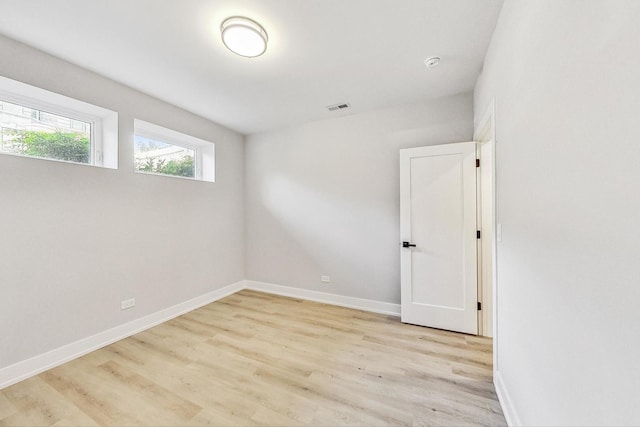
point(259, 359)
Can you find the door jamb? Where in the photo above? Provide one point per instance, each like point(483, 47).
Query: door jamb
point(485, 132)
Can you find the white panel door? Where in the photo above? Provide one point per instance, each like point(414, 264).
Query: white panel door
point(438, 216)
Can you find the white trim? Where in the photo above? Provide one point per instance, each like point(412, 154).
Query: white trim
point(37, 364)
point(327, 298)
point(486, 122)
point(509, 411)
point(46, 100)
point(169, 136)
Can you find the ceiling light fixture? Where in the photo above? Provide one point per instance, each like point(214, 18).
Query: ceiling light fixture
point(432, 61)
point(244, 36)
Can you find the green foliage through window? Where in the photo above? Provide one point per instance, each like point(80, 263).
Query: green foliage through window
point(182, 167)
point(68, 146)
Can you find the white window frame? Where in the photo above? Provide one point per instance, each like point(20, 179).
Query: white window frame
point(204, 151)
point(104, 123)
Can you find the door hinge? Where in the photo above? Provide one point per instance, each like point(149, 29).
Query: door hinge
point(478, 234)
point(479, 306)
point(477, 163)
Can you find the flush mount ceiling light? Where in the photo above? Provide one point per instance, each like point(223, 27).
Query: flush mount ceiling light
point(244, 36)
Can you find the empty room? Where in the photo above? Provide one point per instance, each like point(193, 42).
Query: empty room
point(319, 212)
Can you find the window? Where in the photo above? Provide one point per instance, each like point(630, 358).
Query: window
point(154, 156)
point(42, 124)
point(162, 151)
point(30, 132)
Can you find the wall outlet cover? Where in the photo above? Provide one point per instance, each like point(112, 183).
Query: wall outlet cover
point(127, 303)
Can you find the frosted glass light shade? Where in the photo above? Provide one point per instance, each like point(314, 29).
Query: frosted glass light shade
point(244, 36)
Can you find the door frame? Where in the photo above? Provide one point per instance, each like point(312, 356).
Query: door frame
point(485, 135)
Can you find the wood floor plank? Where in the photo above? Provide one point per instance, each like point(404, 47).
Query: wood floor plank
point(40, 404)
point(259, 359)
point(6, 407)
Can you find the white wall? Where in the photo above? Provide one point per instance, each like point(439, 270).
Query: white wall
point(565, 77)
point(76, 240)
point(323, 198)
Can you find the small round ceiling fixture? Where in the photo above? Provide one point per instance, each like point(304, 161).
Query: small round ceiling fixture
point(244, 36)
point(432, 61)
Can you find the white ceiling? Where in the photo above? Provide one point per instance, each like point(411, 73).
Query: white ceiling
point(368, 53)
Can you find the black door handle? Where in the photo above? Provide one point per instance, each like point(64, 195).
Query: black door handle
point(408, 245)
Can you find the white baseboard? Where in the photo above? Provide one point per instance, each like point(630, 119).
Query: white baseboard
point(35, 365)
point(506, 403)
point(334, 299)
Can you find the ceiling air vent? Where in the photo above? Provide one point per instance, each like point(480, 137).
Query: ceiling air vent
point(338, 107)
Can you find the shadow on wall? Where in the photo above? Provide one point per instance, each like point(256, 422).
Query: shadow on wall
point(320, 225)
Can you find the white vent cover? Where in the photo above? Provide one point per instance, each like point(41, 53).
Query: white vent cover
point(337, 107)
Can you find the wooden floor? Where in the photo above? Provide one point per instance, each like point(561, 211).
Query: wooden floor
point(259, 359)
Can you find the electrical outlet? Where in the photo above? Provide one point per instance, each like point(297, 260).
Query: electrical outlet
point(127, 303)
point(325, 279)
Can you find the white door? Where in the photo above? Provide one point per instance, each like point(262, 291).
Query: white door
point(438, 216)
